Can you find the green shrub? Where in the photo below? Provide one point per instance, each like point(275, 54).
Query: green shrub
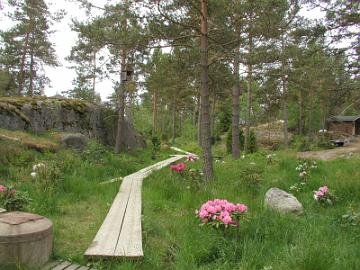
point(156, 145)
point(95, 152)
point(12, 199)
point(252, 142)
point(251, 177)
point(229, 140)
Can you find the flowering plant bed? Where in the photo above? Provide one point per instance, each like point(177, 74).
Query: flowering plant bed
point(221, 213)
point(324, 196)
point(12, 199)
point(180, 167)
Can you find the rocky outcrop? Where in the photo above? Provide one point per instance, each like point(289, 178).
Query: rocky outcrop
point(64, 115)
point(282, 201)
point(76, 141)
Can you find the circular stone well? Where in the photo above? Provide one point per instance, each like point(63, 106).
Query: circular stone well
point(25, 238)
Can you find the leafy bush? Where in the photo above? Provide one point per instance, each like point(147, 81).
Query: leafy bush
point(224, 120)
point(229, 140)
point(325, 143)
point(350, 219)
point(302, 144)
point(221, 213)
point(94, 151)
point(252, 142)
point(49, 176)
point(252, 177)
point(12, 199)
point(156, 145)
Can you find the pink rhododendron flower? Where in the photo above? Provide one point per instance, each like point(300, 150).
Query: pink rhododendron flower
point(221, 211)
point(178, 167)
point(2, 188)
point(192, 158)
point(324, 196)
point(324, 189)
point(242, 208)
point(203, 214)
point(227, 219)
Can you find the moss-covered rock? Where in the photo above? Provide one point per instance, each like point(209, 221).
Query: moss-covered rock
point(40, 114)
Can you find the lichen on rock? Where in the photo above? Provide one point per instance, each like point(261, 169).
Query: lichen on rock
point(40, 114)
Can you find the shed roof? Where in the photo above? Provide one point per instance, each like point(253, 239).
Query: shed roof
point(343, 118)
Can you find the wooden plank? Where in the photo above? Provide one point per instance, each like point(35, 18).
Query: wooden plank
point(111, 181)
point(51, 265)
point(61, 266)
point(130, 240)
point(73, 267)
point(181, 151)
point(105, 241)
point(120, 234)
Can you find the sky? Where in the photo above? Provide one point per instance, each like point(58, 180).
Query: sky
point(61, 77)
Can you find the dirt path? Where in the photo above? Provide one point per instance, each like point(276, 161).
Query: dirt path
point(351, 148)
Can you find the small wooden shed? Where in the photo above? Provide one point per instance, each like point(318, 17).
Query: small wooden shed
point(345, 124)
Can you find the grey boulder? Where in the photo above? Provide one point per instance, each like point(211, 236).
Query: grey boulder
point(76, 141)
point(282, 201)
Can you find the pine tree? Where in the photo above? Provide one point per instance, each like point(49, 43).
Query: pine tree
point(26, 46)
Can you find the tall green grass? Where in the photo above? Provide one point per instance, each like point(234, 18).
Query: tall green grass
point(70, 195)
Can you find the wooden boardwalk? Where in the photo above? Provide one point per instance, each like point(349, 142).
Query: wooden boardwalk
point(64, 265)
point(120, 235)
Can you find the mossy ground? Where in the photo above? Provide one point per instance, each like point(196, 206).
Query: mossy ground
point(68, 192)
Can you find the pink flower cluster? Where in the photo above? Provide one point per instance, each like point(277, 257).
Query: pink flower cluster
point(321, 193)
point(180, 167)
point(221, 211)
point(3, 189)
point(192, 158)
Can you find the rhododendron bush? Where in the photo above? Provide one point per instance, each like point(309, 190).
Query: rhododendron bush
point(12, 199)
point(180, 167)
point(192, 158)
point(220, 212)
point(324, 196)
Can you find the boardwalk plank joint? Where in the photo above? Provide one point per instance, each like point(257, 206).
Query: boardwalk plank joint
point(120, 235)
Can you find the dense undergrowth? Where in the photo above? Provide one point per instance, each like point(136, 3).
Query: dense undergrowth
point(68, 192)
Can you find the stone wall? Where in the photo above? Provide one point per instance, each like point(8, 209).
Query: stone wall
point(64, 115)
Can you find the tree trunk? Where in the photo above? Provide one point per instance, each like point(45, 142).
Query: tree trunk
point(199, 121)
point(196, 110)
point(154, 118)
point(213, 117)
point(205, 104)
point(235, 144)
point(249, 97)
point(94, 74)
point(286, 113)
point(284, 90)
point(119, 143)
point(22, 64)
point(129, 108)
point(181, 119)
point(31, 86)
point(174, 121)
point(301, 113)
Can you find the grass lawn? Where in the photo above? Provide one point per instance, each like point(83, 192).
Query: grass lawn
point(68, 192)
